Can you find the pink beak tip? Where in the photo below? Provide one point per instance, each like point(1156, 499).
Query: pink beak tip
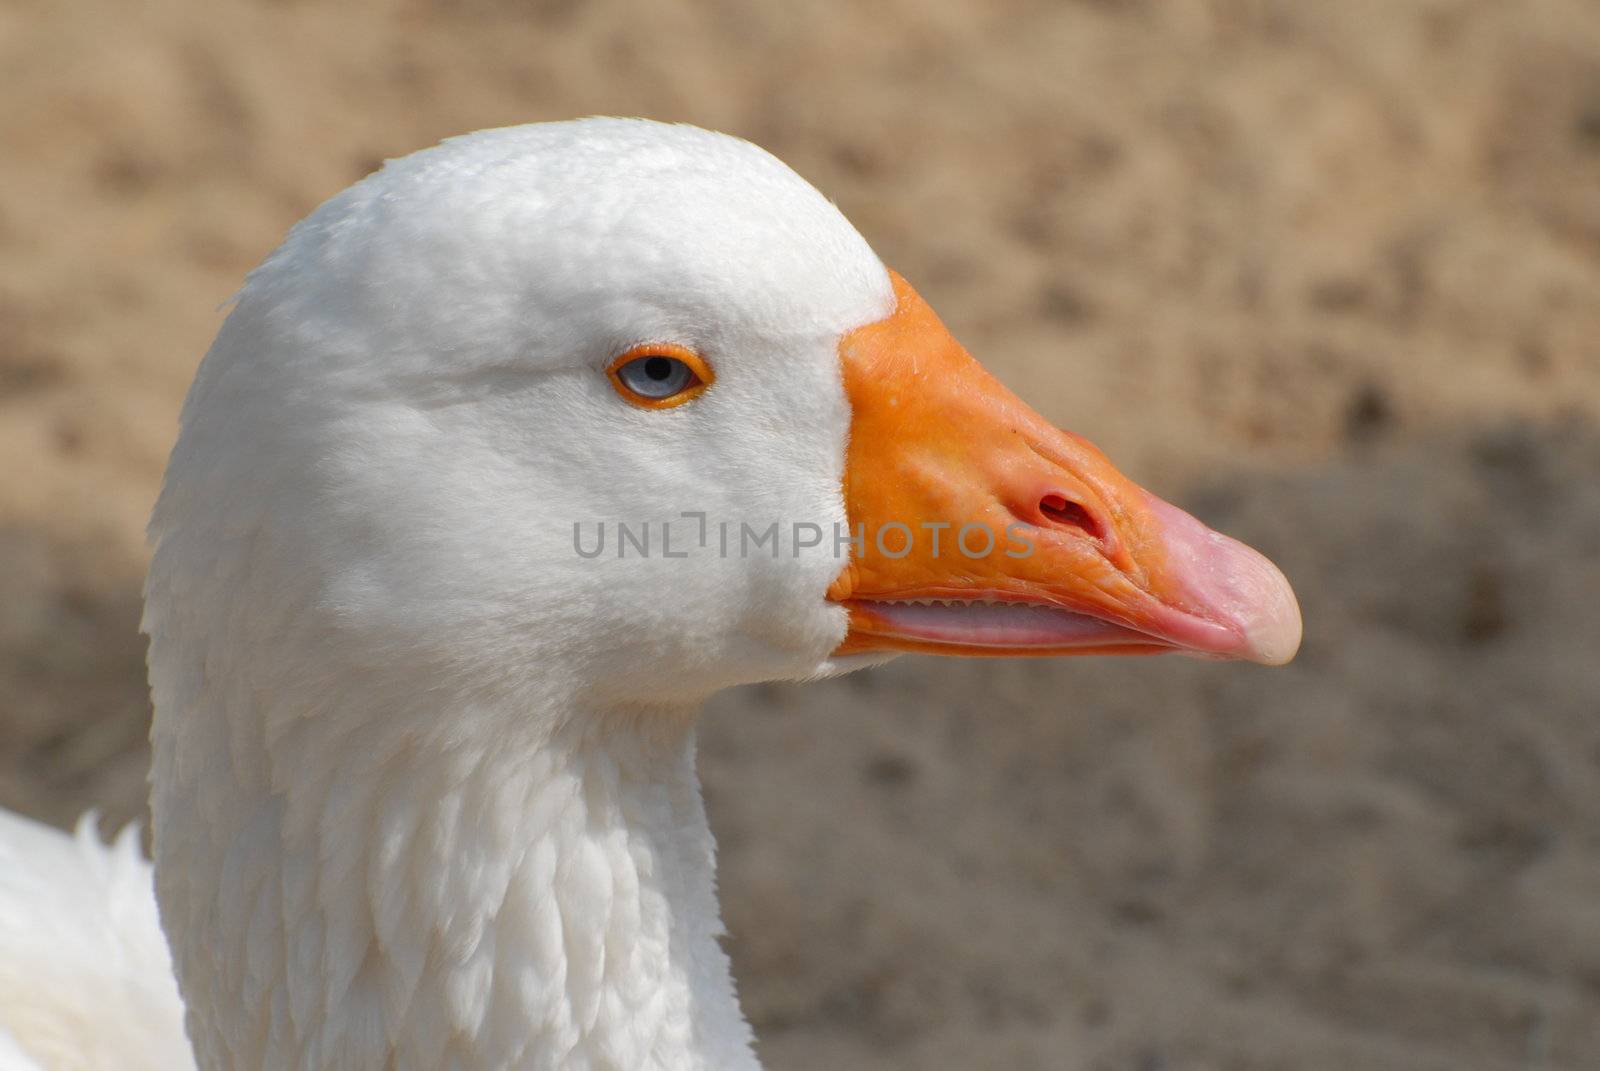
point(1236, 585)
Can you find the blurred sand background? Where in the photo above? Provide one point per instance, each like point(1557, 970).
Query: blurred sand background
point(1327, 273)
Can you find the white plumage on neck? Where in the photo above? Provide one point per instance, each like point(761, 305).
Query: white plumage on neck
point(481, 906)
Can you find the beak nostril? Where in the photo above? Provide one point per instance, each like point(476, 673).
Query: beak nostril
point(1061, 510)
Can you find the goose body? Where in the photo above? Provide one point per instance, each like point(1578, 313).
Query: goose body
point(423, 783)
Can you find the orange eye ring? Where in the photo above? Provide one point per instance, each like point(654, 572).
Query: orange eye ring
point(699, 374)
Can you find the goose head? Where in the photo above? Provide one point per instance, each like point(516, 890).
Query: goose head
point(566, 427)
point(434, 406)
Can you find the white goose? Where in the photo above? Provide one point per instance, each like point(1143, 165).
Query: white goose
point(423, 788)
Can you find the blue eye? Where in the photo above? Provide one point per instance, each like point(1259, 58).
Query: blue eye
point(659, 376)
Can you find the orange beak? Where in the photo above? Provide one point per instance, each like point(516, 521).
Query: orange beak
point(982, 530)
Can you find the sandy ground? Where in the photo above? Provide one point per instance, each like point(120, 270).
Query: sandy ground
point(1328, 273)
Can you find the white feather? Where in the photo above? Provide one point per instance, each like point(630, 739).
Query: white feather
point(85, 978)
